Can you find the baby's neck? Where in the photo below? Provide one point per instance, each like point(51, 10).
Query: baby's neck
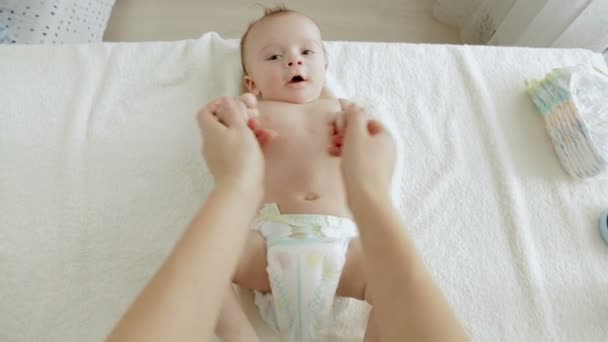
point(287, 102)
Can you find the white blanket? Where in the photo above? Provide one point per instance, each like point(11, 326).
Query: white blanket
point(100, 172)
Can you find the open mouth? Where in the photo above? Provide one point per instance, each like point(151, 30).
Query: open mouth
point(297, 79)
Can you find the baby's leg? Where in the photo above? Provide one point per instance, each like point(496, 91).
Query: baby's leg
point(250, 273)
point(232, 324)
point(353, 284)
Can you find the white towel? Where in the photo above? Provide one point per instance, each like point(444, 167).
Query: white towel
point(100, 172)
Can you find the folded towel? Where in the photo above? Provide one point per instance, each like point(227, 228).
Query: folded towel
point(100, 172)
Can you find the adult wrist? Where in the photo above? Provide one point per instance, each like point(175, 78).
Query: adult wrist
point(364, 200)
point(247, 190)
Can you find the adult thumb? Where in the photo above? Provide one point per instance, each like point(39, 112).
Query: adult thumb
point(355, 119)
point(208, 123)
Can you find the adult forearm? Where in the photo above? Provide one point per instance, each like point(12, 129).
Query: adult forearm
point(196, 271)
point(408, 304)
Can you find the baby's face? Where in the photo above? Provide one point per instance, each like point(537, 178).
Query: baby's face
point(284, 59)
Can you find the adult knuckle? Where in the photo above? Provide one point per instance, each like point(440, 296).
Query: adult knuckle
point(224, 100)
point(232, 102)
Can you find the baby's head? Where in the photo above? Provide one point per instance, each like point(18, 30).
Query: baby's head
point(283, 57)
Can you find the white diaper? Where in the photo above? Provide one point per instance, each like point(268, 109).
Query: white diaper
point(306, 254)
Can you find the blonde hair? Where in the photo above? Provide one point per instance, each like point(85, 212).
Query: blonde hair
point(269, 12)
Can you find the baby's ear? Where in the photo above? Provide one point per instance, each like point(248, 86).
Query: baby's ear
point(250, 84)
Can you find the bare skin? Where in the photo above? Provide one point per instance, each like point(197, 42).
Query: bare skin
point(182, 301)
point(301, 178)
point(298, 131)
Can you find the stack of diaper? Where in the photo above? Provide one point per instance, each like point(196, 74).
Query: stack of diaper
point(574, 105)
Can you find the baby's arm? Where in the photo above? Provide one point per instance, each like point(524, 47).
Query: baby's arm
point(264, 136)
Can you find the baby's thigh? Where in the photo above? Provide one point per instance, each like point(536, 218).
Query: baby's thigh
point(251, 272)
point(353, 280)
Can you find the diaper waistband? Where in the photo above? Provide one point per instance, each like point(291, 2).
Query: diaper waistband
point(271, 212)
point(321, 225)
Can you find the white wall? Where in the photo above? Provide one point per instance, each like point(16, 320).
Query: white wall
point(516, 21)
point(476, 20)
point(555, 23)
point(538, 23)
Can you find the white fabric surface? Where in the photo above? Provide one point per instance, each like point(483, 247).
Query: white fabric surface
point(100, 172)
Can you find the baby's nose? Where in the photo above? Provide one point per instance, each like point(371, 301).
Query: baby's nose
point(292, 63)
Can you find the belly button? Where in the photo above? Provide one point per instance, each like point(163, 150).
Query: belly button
point(311, 196)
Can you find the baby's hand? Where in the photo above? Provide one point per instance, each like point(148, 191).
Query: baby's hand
point(263, 135)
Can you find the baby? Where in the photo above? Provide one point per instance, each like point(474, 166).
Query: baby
point(303, 248)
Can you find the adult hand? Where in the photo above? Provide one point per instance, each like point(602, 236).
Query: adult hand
point(367, 150)
point(263, 135)
point(230, 148)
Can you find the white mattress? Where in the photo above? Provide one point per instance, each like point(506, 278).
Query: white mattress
point(100, 173)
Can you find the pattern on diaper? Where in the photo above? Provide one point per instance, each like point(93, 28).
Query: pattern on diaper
point(330, 269)
point(314, 259)
point(280, 295)
point(304, 315)
point(306, 254)
point(325, 290)
point(316, 303)
point(305, 232)
point(283, 259)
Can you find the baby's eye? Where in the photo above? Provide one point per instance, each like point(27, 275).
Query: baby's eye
point(274, 57)
point(307, 52)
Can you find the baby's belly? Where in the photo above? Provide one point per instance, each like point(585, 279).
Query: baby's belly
point(300, 188)
point(312, 202)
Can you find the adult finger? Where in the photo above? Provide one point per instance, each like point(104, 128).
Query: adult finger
point(375, 127)
point(231, 112)
point(209, 109)
point(354, 120)
point(335, 151)
point(265, 136)
point(208, 123)
point(344, 103)
point(379, 131)
point(340, 123)
point(253, 123)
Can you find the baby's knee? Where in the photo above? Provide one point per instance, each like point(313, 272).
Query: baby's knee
point(367, 296)
point(353, 281)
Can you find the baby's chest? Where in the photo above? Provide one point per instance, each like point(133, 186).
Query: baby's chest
point(301, 128)
point(300, 124)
